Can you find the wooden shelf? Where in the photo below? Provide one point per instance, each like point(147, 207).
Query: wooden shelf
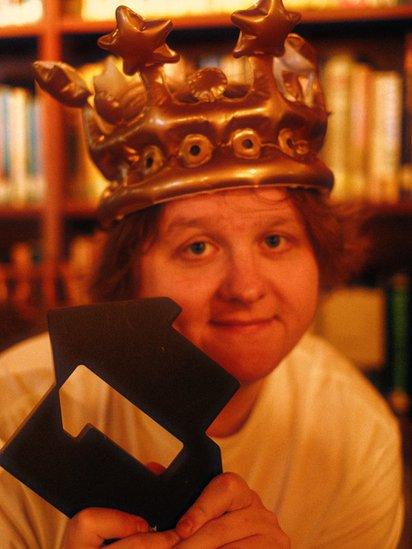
point(78, 209)
point(401, 208)
point(74, 25)
point(23, 213)
point(351, 15)
point(22, 31)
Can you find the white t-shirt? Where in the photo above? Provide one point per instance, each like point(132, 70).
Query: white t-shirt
point(320, 447)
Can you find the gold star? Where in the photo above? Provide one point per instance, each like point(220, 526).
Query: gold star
point(140, 43)
point(264, 28)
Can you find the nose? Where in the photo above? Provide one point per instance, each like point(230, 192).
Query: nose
point(244, 281)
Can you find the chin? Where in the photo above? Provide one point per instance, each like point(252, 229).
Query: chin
point(247, 367)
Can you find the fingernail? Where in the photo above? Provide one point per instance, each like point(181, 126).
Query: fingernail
point(142, 525)
point(184, 527)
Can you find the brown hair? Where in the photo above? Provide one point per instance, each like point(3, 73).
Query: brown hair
point(114, 278)
point(334, 231)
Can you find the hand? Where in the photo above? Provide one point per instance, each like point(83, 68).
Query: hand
point(91, 527)
point(229, 514)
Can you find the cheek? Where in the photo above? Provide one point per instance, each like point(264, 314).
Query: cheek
point(305, 289)
point(195, 309)
point(191, 296)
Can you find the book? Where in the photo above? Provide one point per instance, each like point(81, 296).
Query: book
point(384, 136)
point(4, 147)
point(406, 169)
point(20, 13)
point(363, 142)
point(21, 154)
point(399, 343)
point(104, 9)
point(35, 170)
point(17, 125)
point(336, 75)
point(358, 138)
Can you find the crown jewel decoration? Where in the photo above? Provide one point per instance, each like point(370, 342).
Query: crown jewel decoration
point(156, 141)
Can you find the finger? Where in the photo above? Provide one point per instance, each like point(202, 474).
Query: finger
point(259, 542)
point(155, 540)
point(92, 526)
point(251, 524)
point(225, 493)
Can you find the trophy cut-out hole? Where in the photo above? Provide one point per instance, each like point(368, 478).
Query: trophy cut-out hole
point(86, 400)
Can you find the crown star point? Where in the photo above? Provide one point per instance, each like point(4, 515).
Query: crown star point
point(140, 43)
point(264, 28)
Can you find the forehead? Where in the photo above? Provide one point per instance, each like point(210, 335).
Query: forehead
point(230, 207)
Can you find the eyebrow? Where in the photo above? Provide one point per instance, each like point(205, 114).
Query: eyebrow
point(187, 222)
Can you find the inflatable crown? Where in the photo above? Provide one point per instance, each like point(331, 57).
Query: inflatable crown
point(156, 142)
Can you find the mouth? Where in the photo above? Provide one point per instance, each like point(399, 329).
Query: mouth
point(245, 325)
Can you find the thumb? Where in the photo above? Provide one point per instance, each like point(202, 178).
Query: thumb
point(155, 467)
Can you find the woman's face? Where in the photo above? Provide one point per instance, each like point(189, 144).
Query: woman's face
point(242, 269)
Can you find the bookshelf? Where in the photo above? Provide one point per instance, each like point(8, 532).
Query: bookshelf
point(380, 32)
point(53, 38)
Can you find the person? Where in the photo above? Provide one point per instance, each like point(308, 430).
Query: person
point(239, 230)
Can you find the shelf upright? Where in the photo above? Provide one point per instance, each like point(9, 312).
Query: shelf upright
point(50, 48)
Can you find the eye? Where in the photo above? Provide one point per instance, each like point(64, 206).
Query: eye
point(273, 241)
point(197, 248)
point(246, 143)
point(195, 150)
point(152, 160)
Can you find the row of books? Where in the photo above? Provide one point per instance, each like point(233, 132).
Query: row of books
point(372, 327)
point(368, 144)
point(370, 115)
point(20, 12)
point(363, 146)
point(21, 172)
point(104, 9)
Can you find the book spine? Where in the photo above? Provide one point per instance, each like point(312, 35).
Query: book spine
point(34, 152)
point(358, 129)
point(385, 137)
point(4, 147)
point(17, 128)
point(406, 176)
point(20, 12)
point(336, 78)
point(399, 352)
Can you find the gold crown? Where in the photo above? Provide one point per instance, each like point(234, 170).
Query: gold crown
point(156, 142)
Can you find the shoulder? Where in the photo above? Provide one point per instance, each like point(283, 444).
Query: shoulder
point(350, 430)
point(26, 367)
point(330, 379)
point(27, 353)
point(26, 373)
